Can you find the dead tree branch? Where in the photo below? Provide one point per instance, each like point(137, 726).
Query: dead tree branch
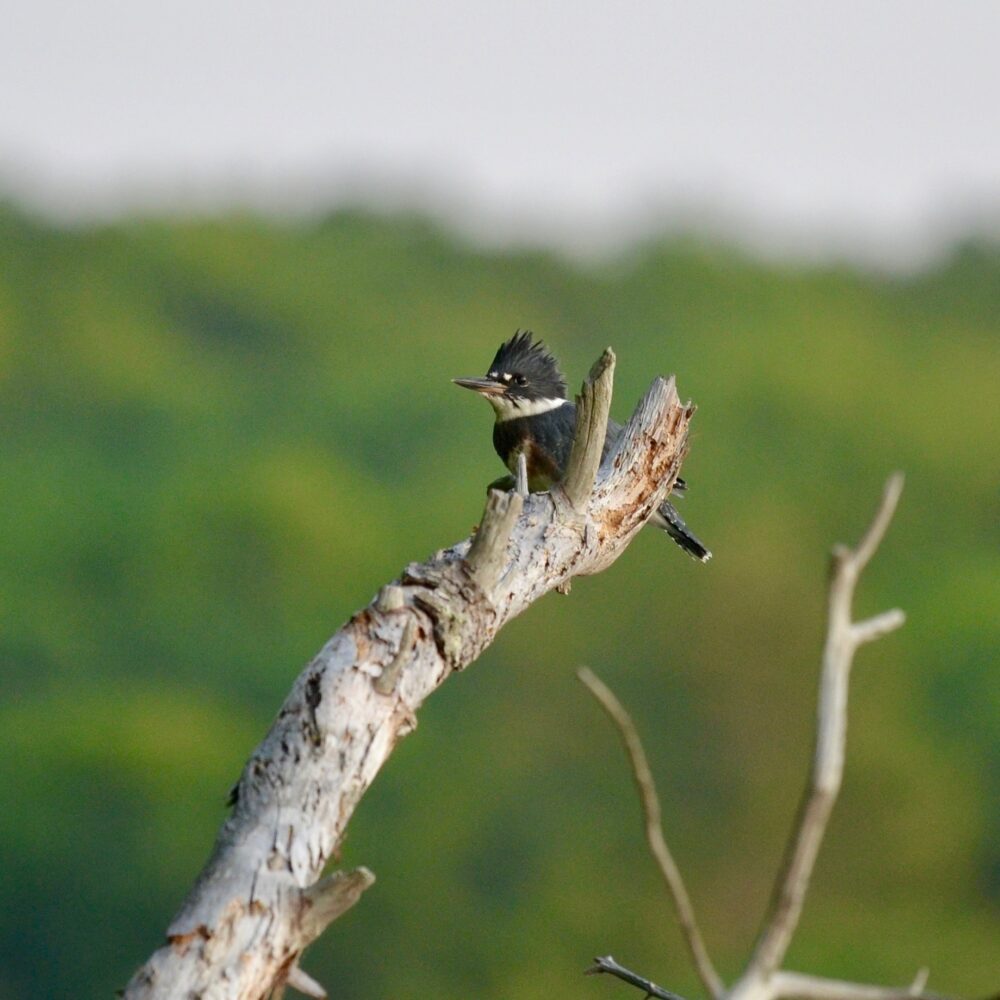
point(805, 987)
point(654, 833)
point(592, 408)
point(763, 978)
point(606, 964)
point(260, 899)
point(842, 640)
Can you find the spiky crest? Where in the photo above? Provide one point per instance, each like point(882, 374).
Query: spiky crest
point(524, 355)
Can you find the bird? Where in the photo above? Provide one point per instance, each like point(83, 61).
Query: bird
point(527, 391)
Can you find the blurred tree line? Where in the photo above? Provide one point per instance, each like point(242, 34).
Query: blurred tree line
point(221, 436)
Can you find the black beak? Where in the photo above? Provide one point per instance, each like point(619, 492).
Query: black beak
point(485, 386)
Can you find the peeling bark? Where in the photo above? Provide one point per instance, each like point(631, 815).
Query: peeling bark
point(260, 899)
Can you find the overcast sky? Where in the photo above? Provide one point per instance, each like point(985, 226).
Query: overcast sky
point(868, 124)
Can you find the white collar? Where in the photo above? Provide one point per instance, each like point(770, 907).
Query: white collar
point(507, 410)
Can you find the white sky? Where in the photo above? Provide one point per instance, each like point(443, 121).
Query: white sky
point(868, 125)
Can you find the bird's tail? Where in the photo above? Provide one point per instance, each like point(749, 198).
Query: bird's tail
point(673, 524)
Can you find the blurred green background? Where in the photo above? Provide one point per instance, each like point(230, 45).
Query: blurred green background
point(221, 436)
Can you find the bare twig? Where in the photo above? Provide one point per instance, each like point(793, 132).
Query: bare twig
point(332, 896)
point(842, 640)
point(800, 986)
point(305, 984)
point(880, 524)
point(654, 831)
point(606, 964)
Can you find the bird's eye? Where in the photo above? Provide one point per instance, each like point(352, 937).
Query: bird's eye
point(520, 380)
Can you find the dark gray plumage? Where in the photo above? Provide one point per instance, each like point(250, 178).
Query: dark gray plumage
point(528, 393)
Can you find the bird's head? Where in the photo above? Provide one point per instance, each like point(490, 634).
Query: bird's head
point(523, 379)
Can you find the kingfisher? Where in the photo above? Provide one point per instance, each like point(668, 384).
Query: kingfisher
point(533, 417)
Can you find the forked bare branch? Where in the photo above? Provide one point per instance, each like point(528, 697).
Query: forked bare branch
point(842, 640)
point(763, 978)
point(654, 832)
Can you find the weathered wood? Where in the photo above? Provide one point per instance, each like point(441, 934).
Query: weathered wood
point(592, 408)
point(763, 978)
point(488, 550)
point(842, 640)
point(260, 899)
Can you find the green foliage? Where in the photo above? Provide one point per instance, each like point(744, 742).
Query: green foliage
point(221, 437)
